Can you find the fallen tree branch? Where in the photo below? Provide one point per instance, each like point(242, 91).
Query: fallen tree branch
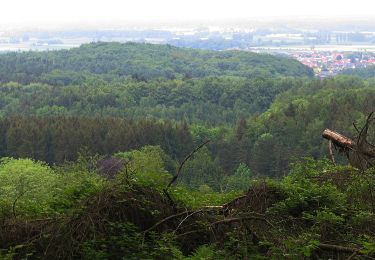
point(338, 248)
point(360, 153)
point(238, 219)
point(189, 214)
point(165, 220)
point(338, 139)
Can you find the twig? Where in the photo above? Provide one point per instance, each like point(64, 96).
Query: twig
point(191, 232)
point(184, 161)
point(165, 191)
point(189, 212)
point(363, 133)
point(237, 219)
point(188, 216)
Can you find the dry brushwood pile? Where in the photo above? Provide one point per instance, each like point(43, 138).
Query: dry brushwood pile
point(257, 223)
point(319, 211)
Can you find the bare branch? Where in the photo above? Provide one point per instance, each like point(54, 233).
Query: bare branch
point(184, 161)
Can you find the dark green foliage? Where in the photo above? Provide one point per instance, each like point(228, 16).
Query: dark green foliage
point(141, 62)
point(201, 170)
point(291, 128)
point(59, 139)
point(138, 81)
point(125, 241)
point(208, 100)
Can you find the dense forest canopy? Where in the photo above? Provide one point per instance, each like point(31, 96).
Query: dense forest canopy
point(102, 156)
point(263, 120)
point(141, 62)
point(209, 100)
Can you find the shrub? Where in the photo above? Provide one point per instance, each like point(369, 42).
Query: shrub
point(26, 188)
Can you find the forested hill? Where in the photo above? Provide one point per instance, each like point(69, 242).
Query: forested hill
point(97, 157)
point(143, 62)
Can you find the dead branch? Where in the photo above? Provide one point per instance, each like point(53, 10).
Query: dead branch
point(165, 220)
point(338, 139)
point(165, 191)
point(361, 153)
point(184, 161)
point(189, 214)
point(239, 219)
point(191, 232)
point(338, 248)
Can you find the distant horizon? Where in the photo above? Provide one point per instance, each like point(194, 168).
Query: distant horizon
point(57, 14)
point(259, 22)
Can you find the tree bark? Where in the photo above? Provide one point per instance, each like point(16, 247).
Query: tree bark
point(338, 139)
point(361, 155)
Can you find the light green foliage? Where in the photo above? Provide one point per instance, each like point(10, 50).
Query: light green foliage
point(202, 133)
point(75, 182)
point(202, 197)
point(32, 189)
point(325, 198)
point(307, 196)
point(51, 111)
point(240, 180)
point(206, 252)
point(147, 166)
point(368, 244)
point(26, 188)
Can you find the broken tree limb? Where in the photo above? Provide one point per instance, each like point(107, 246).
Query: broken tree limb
point(360, 153)
point(338, 139)
point(359, 156)
point(348, 144)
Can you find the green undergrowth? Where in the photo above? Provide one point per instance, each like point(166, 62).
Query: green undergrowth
point(78, 211)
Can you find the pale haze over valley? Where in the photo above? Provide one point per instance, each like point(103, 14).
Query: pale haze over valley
point(47, 14)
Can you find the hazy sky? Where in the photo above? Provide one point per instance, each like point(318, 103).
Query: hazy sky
point(48, 12)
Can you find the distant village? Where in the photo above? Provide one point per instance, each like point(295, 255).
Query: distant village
point(329, 63)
